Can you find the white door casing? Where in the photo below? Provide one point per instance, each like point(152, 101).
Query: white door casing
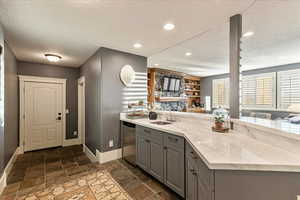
point(81, 109)
point(41, 101)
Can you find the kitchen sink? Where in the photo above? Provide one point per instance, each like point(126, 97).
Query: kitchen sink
point(161, 123)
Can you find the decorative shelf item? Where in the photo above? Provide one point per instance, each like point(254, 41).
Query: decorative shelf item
point(136, 110)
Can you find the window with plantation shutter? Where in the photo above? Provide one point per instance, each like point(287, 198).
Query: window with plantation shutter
point(288, 88)
point(221, 93)
point(259, 91)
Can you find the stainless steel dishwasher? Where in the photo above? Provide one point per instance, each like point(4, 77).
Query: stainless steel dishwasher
point(128, 142)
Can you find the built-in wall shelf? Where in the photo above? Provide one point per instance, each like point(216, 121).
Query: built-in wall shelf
point(192, 91)
point(189, 89)
point(193, 96)
point(170, 99)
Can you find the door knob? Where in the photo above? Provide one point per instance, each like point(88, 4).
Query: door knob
point(58, 118)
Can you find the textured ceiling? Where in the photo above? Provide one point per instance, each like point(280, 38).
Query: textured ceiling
point(276, 41)
point(76, 28)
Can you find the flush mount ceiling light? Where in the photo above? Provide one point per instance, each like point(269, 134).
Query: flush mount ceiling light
point(52, 57)
point(137, 45)
point(156, 65)
point(188, 54)
point(169, 27)
point(248, 34)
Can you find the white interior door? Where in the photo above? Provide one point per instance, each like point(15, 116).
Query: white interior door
point(43, 115)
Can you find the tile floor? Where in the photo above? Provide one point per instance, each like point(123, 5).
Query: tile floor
point(66, 173)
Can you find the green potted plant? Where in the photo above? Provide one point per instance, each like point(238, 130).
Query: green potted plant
point(141, 102)
point(219, 121)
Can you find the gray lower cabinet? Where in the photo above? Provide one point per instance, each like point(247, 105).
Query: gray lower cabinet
point(156, 167)
point(149, 155)
point(199, 179)
point(143, 153)
point(191, 180)
point(174, 163)
point(162, 156)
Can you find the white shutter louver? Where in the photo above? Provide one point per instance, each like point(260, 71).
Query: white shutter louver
point(259, 91)
point(221, 93)
point(288, 88)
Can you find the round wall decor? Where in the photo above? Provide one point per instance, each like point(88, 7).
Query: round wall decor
point(127, 75)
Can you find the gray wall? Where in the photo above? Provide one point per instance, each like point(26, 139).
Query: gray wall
point(112, 88)
point(104, 95)
point(91, 70)
point(8, 104)
point(206, 84)
point(11, 105)
point(69, 73)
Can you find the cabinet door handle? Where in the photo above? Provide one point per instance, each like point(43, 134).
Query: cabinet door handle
point(193, 171)
point(165, 148)
point(147, 140)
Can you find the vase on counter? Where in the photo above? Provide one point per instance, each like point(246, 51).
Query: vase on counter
point(221, 119)
point(152, 115)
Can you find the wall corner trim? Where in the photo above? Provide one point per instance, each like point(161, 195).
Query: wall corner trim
point(104, 157)
point(7, 170)
point(89, 154)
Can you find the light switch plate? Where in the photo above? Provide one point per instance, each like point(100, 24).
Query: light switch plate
point(111, 144)
point(298, 197)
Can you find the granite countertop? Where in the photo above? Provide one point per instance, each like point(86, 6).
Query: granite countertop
point(240, 149)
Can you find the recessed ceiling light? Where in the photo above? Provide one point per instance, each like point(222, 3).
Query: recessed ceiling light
point(169, 27)
point(248, 34)
point(52, 57)
point(188, 54)
point(137, 45)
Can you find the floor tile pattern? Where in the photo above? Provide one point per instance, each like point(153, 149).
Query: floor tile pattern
point(65, 173)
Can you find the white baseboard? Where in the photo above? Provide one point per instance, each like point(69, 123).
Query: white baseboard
point(104, 157)
point(89, 154)
point(8, 169)
point(70, 142)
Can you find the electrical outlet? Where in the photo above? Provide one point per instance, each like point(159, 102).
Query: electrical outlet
point(298, 197)
point(75, 133)
point(111, 143)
